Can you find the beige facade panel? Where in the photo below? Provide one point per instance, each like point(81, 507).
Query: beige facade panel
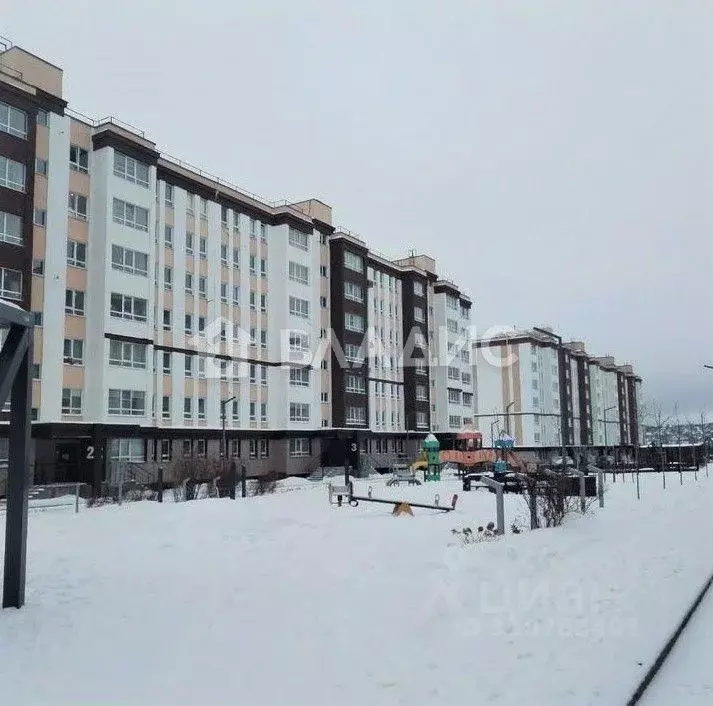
point(78, 230)
point(80, 134)
point(39, 238)
point(76, 278)
point(75, 327)
point(79, 182)
point(42, 142)
point(73, 376)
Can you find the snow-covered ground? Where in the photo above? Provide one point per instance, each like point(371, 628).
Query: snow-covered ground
point(285, 600)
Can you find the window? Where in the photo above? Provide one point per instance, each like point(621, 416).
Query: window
point(299, 377)
point(453, 396)
point(263, 267)
point(168, 236)
point(126, 354)
point(465, 378)
point(253, 413)
point(126, 449)
point(353, 353)
point(166, 362)
point(324, 397)
point(354, 262)
point(131, 261)
point(418, 314)
point(236, 294)
point(263, 232)
point(42, 117)
point(236, 410)
point(77, 206)
point(164, 450)
point(224, 215)
point(299, 307)
point(73, 351)
point(187, 447)
point(356, 415)
point(323, 302)
point(421, 393)
point(204, 207)
point(299, 412)
point(37, 318)
point(354, 322)
point(169, 195)
point(298, 273)
point(354, 292)
point(202, 248)
point(263, 302)
point(168, 278)
point(13, 120)
point(452, 325)
point(451, 302)
point(298, 342)
point(78, 159)
point(201, 408)
point(189, 243)
point(263, 338)
point(38, 266)
point(418, 288)
point(467, 399)
point(453, 373)
point(188, 408)
point(323, 271)
point(166, 319)
point(299, 446)
point(236, 257)
point(203, 287)
point(454, 421)
point(355, 384)
point(253, 265)
point(71, 401)
point(188, 323)
point(421, 420)
point(36, 371)
point(299, 239)
point(39, 217)
point(264, 448)
point(124, 306)
point(190, 204)
point(76, 254)
point(129, 214)
point(263, 375)
point(131, 169)
point(41, 166)
point(263, 411)
point(12, 174)
point(74, 302)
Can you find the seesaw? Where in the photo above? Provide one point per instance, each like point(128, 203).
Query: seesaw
point(400, 506)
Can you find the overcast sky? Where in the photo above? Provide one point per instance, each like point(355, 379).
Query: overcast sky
point(555, 156)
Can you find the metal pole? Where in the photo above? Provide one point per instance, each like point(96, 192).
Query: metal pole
point(600, 483)
point(499, 505)
point(638, 492)
point(76, 499)
point(18, 482)
point(232, 479)
point(159, 497)
point(243, 481)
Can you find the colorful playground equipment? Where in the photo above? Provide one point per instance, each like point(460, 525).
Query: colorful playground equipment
point(432, 450)
point(469, 454)
point(500, 466)
point(341, 495)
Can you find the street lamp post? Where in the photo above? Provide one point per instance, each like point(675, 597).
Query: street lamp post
point(606, 409)
point(563, 389)
point(507, 417)
point(223, 405)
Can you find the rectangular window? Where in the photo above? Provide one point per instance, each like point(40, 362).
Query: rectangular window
point(298, 273)
point(356, 415)
point(453, 396)
point(73, 351)
point(164, 450)
point(452, 325)
point(202, 248)
point(201, 408)
point(203, 287)
point(188, 365)
point(131, 261)
point(169, 195)
point(299, 239)
point(418, 288)
point(263, 267)
point(236, 294)
point(124, 354)
point(299, 446)
point(355, 384)
point(465, 378)
point(166, 363)
point(204, 207)
point(223, 254)
point(454, 421)
point(263, 232)
point(224, 292)
point(131, 215)
point(263, 375)
point(253, 265)
point(126, 449)
point(421, 393)
point(76, 254)
point(353, 353)
point(236, 257)
point(354, 292)
point(189, 243)
point(168, 278)
point(74, 302)
point(354, 262)
point(41, 166)
point(188, 323)
point(166, 319)
point(299, 412)
point(131, 169)
point(263, 411)
point(299, 307)
point(168, 236)
point(71, 401)
point(418, 314)
point(299, 377)
point(467, 399)
point(263, 302)
point(78, 206)
point(124, 306)
point(78, 159)
point(13, 120)
point(10, 228)
point(188, 408)
point(39, 217)
point(298, 342)
point(451, 302)
point(354, 322)
point(453, 373)
point(421, 420)
point(253, 413)
point(236, 410)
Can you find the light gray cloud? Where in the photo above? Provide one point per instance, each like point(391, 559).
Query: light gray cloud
point(556, 157)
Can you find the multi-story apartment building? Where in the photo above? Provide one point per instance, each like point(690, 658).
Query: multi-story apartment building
point(170, 304)
point(545, 394)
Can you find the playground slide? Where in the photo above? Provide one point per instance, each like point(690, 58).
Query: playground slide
point(418, 466)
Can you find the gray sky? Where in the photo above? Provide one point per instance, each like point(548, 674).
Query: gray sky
point(555, 156)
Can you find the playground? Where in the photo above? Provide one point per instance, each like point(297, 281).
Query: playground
point(285, 598)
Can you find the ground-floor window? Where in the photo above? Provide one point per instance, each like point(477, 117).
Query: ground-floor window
point(164, 450)
point(126, 450)
point(300, 446)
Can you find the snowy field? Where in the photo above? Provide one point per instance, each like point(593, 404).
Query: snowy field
point(283, 600)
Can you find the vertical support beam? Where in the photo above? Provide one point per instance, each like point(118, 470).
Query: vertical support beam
point(18, 484)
